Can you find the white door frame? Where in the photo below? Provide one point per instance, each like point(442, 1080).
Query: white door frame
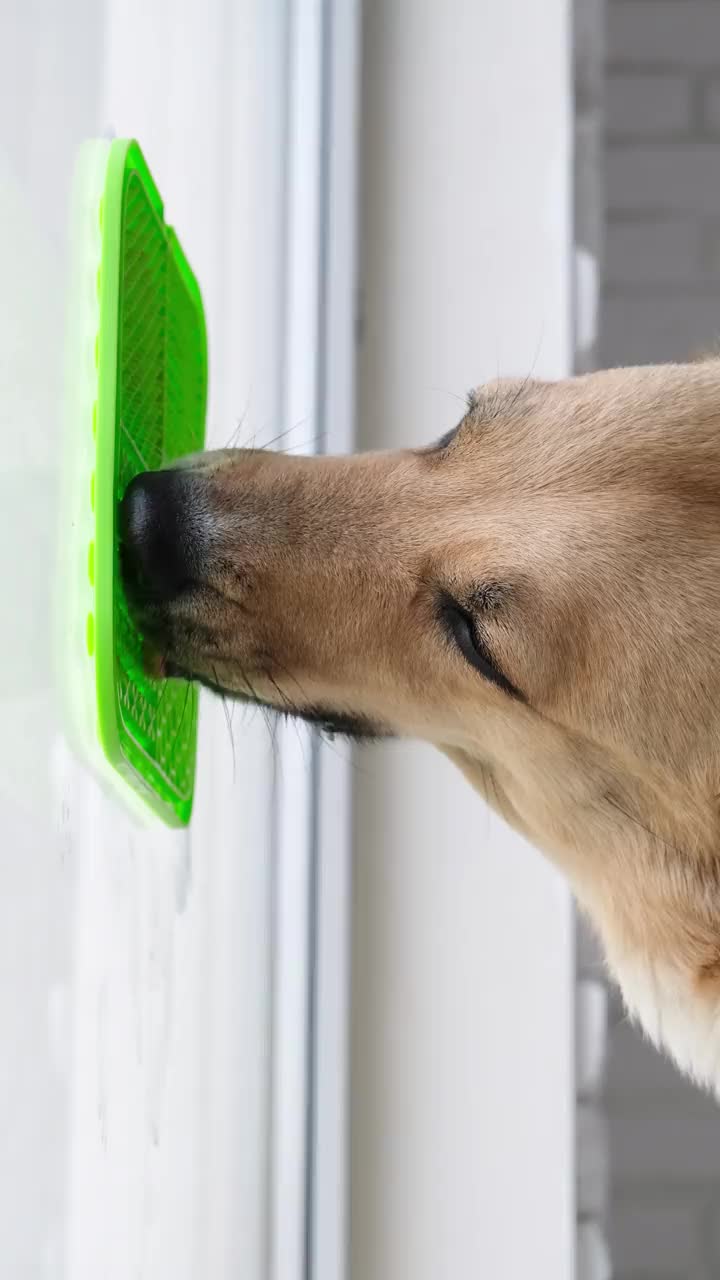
point(311, 1010)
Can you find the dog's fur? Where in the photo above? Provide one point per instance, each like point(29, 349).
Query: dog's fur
point(539, 596)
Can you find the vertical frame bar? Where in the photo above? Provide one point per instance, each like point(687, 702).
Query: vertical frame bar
point(295, 760)
point(329, 1167)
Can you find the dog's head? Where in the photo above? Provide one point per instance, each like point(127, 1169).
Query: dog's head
point(555, 557)
point(538, 593)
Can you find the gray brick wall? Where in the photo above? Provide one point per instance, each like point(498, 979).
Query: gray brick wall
point(589, 210)
point(664, 1142)
point(642, 105)
point(661, 297)
point(660, 300)
point(653, 35)
point(592, 1253)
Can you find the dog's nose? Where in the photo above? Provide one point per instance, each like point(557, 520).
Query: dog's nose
point(159, 554)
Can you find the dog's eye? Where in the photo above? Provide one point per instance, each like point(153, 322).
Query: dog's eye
point(461, 627)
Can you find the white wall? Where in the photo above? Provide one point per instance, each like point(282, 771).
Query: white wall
point(462, 1111)
point(134, 965)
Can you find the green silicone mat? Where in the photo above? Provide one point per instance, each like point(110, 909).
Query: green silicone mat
point(150, 382)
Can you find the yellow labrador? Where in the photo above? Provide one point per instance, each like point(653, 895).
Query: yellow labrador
point(538, 594)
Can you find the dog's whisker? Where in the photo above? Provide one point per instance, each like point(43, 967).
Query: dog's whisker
point(289, 676)
point(445, 391)
point(240, 424)
point(282, 435)
point(185, 706)
point(228, 722)
point(306, 444)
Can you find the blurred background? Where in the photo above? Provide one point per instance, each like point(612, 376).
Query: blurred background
point(647, 191)
point(348, 1027)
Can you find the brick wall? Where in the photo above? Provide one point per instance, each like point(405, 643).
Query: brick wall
point(661, 300)
point(662, 238)
point(664, 1140)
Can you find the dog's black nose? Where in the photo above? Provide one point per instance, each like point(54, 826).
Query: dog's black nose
point(160, 554)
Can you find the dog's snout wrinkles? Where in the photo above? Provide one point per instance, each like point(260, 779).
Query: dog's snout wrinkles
point(159, 557)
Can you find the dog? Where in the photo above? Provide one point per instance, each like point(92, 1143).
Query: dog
point(537, 594)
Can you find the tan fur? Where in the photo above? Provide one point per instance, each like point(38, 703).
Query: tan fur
point(580, 522)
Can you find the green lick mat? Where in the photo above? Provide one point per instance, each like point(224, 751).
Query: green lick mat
point(138, 358)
